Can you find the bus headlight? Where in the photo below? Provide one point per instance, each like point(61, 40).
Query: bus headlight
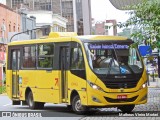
point(144, 85)
point(94, 86)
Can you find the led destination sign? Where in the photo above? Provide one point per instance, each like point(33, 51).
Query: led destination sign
point(107, 46)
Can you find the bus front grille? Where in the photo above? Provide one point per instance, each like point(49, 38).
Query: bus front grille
point(120, 84)
point(116, 83)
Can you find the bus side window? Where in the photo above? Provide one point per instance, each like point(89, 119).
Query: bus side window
point(29, 56)
point(13, 60)
point(45, 55)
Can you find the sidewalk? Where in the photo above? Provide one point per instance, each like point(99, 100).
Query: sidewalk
point(3, 94)
point(154, 83)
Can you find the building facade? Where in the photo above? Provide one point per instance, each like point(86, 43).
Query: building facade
point(67, 12)
point(9, 22)
point(87, 21)
point(54, 22)
point(28, 23)
point(107, 27)
point(114, 28)
point(100, 28)
point(34, 5)
point(77, 12)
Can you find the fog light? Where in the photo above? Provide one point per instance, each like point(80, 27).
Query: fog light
point(96, 99)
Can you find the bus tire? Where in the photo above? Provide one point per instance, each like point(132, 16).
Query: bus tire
point(77, 107)
point(126, 108)
point(40, 105)
point(32, 104)
point(69, 107)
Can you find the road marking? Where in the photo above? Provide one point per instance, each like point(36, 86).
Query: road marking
point(7, 104)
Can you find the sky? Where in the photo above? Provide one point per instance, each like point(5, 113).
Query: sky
point(3, 1)
point(103, 9)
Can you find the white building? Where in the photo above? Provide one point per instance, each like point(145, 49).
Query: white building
point(52, 22)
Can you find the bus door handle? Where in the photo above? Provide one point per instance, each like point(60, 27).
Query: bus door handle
point(35, 86)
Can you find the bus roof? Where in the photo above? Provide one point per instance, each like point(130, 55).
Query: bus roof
point(102, 37)
point(66, 37)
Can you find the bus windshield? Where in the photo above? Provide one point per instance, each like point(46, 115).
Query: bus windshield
point(113, 58)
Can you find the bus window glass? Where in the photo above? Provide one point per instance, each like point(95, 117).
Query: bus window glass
point(14, 60)
point(77, 61)
point(29, 57)
point(134, 60)
point(113, 58)
point(45, 55)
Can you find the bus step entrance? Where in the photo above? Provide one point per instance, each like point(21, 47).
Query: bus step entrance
point(64, 101)
point(16, 102)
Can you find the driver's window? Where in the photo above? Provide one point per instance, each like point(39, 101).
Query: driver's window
point(77, 66)
point(77, 61)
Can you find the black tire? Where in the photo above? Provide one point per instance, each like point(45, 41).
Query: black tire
point(77, 107)
point(40, 105)
point(126, 108)
point(32, 104)
point(69, 107)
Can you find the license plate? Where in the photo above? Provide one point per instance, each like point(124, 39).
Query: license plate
point(121, 96)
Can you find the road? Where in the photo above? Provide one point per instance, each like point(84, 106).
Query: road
point(61, 112)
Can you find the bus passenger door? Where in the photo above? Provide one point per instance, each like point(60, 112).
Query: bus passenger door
point(64, 62)
point(15, 62)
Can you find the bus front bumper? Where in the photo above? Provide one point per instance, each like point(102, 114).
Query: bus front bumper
point(101, 99)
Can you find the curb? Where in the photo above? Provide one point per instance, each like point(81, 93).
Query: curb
point(151, 86)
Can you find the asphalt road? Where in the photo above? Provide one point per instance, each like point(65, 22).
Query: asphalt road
point(50, 109)
point(58, 111)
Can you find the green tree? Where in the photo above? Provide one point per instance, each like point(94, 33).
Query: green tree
point(146, 17)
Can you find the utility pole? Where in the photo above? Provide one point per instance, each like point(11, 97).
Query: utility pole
point(158, 62)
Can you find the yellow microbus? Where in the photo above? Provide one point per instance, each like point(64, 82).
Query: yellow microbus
point(81, 71)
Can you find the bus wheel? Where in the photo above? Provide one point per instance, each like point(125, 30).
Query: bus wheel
point(40, 105)
point(126, 108)
point(77, 106)
point(32, 104)
point(69, 107)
